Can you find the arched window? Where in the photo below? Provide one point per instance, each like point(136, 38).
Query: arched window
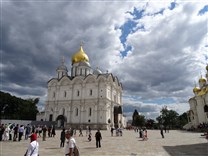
point(63, 111)
point(206, 108)
point(54, 94)
point(78, 93)
point(91, 92)
point(64, 93)
point(90, 111)
point(76, 112)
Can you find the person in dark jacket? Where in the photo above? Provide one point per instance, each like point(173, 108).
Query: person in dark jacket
point(98, 137)
point(62, 138)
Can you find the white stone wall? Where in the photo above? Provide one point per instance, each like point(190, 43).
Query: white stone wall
point(99, 94)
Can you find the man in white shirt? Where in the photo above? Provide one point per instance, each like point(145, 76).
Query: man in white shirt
point(70, 144)
point(33, 147)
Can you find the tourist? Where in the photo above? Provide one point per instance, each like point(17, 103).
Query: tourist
point(53, 132)
point(16, 128)
point(145, 135)
point(62, 137)
point(98, 138)
point(44, 132)
point(70, 144)
point(112, 131)
point(27, 131)
point(39, 130)
point(49, 131)
point(161, 132)
point(6, 133)
point(21, 131)
point(140, 133)
point(33, 147)
point(90, 137)
point(87, 130)
point(1, 131)
point(80, 132)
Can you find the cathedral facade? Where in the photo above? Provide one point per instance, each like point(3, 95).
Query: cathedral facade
point(87, 97)
point(198, 113)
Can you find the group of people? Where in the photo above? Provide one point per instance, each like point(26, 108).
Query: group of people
point(118, 131)
point(15, 132)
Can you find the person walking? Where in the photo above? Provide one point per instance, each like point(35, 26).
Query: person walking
point(98, 138)
point(161, 132)
point(33, 147)
point(145, 135)
point(44, 132)
point(62, 138)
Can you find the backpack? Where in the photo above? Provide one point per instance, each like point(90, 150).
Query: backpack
point(76, 151)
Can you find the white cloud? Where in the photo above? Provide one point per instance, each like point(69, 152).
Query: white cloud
point(165, 60)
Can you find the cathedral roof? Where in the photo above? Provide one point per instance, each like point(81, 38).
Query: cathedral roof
point(62, 67)
point(80, 56)
point(97, 71)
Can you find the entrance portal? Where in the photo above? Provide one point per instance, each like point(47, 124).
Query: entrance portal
point(61, 120)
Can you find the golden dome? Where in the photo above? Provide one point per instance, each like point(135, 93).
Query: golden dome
point(196, 89)
point(202, 80)
point(80, 56)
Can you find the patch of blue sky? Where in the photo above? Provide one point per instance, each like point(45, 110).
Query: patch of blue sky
point(203, 10)
point(172, 5)
point(129, 27)
point(161, 101)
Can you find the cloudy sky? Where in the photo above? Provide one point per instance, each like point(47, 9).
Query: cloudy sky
point(157, 49)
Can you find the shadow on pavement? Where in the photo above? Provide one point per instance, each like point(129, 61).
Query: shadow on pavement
point(188, 150)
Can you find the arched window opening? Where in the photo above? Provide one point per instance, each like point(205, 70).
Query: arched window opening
point(63, 111)
point(90, 111)
point(78, 93)
point(64, 93)
point(90, 92)
point(76, 112)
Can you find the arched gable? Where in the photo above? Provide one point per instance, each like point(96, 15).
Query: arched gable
point(90, 79)
point(52, 82)
point(64, 81)
point(110, 78)
point(101, 79)
point(77, 80)
point(116, 81)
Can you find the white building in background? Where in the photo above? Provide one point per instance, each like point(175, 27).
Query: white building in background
point(198, 112)
point(88, 97)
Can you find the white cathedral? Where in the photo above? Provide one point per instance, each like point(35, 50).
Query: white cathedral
point(88, 97)
point(198, 113)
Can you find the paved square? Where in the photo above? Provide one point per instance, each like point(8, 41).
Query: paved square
point(175, 143)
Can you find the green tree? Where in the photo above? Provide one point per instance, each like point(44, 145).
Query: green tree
point(168, 118)
point(182, 120)
point(139, 120)
point(12, 107)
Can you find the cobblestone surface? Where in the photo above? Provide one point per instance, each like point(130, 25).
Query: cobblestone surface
point(175, 143)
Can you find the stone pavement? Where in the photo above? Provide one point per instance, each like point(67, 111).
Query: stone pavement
point(175, 143)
